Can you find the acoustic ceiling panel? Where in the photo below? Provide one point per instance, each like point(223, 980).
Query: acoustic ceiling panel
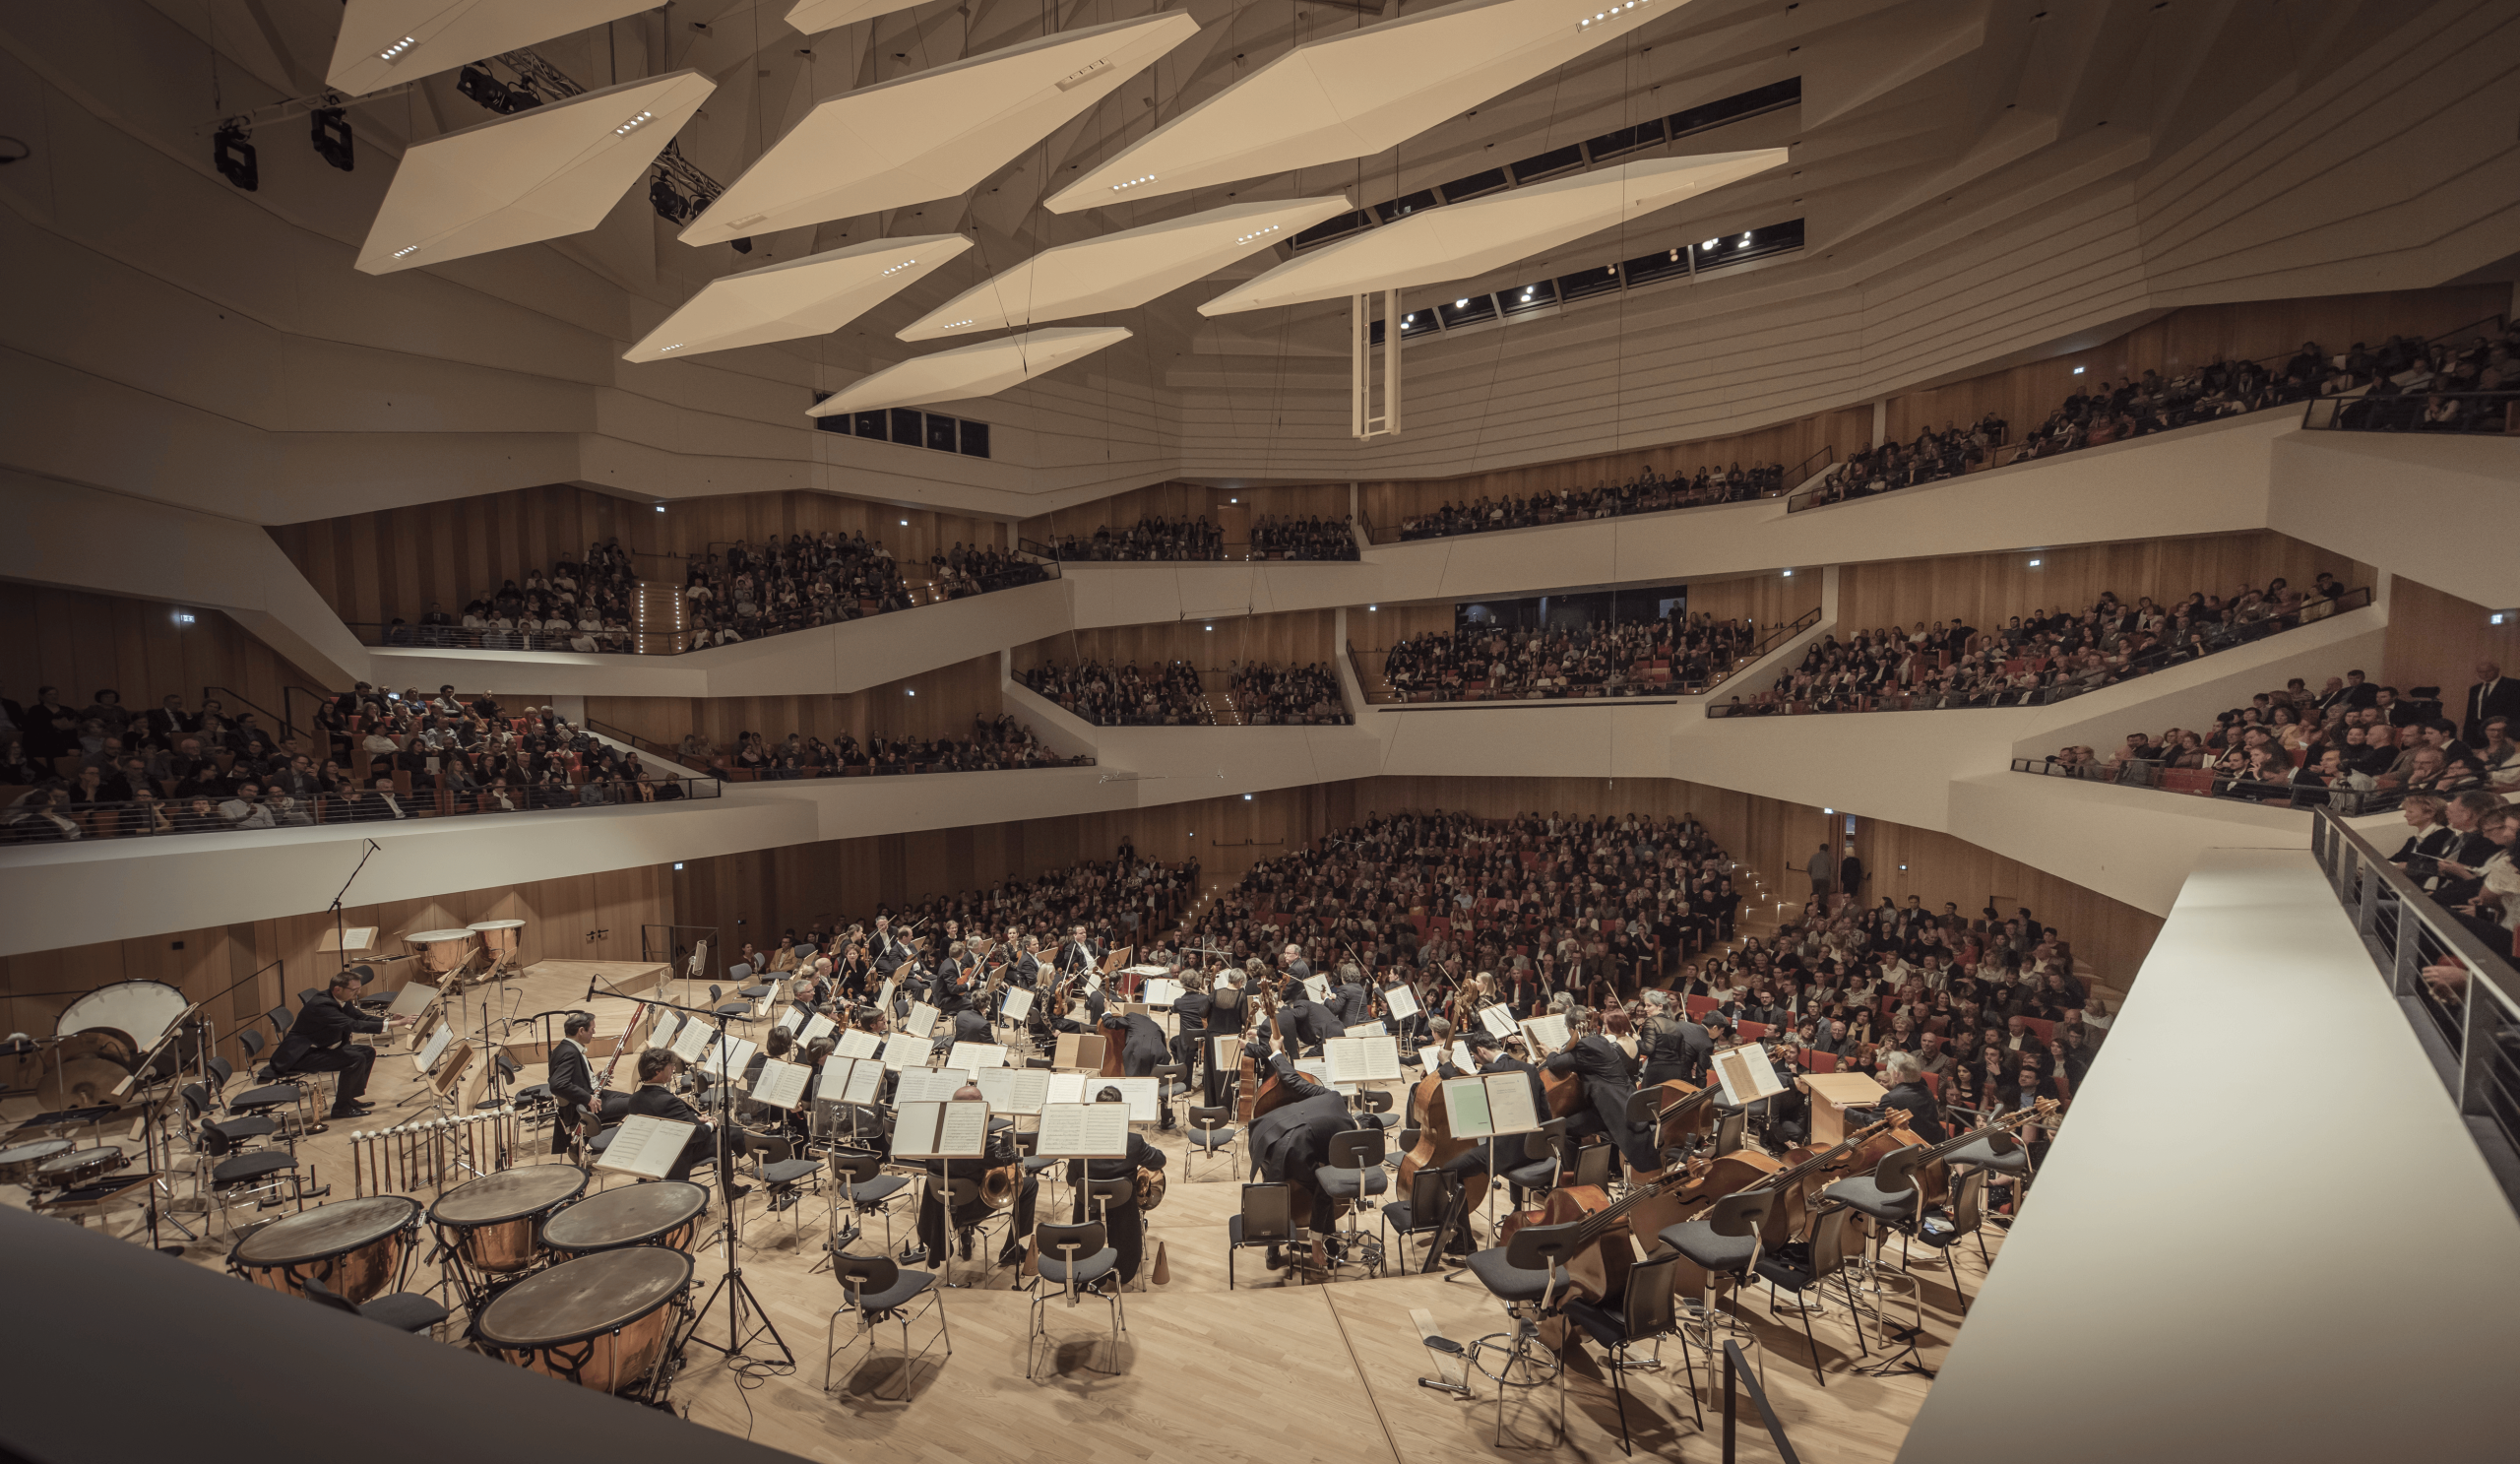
point(813, 17)
point(933, 135)
point(1118, 271)
point(1358, 94)
point(556, 170)
point(384, 41)
point(978, 370)
point(1486, 233)
point(809, 296)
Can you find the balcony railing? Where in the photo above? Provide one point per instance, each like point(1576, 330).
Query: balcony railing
point(2457, 414)
point(2457, 991)
point(2159, 657)
point(2351, 802)
point(52, 819)
point(1643, 682)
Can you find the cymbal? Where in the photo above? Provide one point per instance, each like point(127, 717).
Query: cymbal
point(83, 1073)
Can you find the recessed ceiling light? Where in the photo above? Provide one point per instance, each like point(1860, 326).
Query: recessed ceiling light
point(1133, 182)
point(633, 125)
point(395, 52)
point(905, 264)
point(407, 248)
point(678, 346)
point(1259, 232)
point(1461, 304)
point(958, 325)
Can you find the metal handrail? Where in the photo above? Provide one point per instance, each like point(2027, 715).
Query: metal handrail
point(1800, 472)
point(1399, 535)
point(637, 742)
point(21, 824)
point(2328, 413)
point(2161, 658)
point(2349, 802)
point(2468, 1023)
point(279, 721)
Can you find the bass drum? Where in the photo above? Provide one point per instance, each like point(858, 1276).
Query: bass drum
point(137, 1012)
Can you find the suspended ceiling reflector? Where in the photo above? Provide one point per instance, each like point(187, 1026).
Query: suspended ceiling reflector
point(555, 169)
point(1486, 233)
point(385, 41)
point(932, 135)
point(1358, 94)
point(1118, 271)
point(981, 369)
point(811, 296)
point(813, 17)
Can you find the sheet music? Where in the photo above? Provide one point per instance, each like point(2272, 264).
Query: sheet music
point(778, 990)
point(884, 997)
point(1014, 1090)
point(921, 1021)
point(1462, 1058)
point(834, 1079)
point(1466, 1110)
point(781, 1085)
point(1747, 1074)
point(901, 1053)
point(964, 1131)
point(434, 1048)
point(1361, 1059)
point(1402, 1002)
point(1318, 986)
point(1548, 1031)
point(929, 1084)
point(1368, 1029)
point(971, 1057)
point(1065, 1087)
point(646, 1145)
point(1161, 990)
point(915, 1126)
point(1510, 1108)
point(866, 1083)
point(1498, 1019)
point(412, 1000)
point(1019, 1003)
point(1094, 983)
point(687, 1043)
point(661, 1033)
point(729, 1056)
point(1144, 1096)
point(1083, 1131)
point(857, 1042)
point(820, 1026)
point(791, 1019)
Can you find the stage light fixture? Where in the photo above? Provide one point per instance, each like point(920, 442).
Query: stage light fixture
point(234, 155)
point(330, 131)
point(743, 245)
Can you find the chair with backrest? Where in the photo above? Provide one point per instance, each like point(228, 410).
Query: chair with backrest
point(1890, 1198)
point(1423, 1212)
point(1593, 1165)
point(865, 1188)
point(782, 1170)
point(1647, 1311)
point(1073, 1261)
point(1527, 1273)
point(1965, 1216)
point(1354, 1172)
point(1725, 1243)
point(1998, 1154)
point(402, 1310)
point(1172, 1080)
point(1807, 1273)
point(236, 1172)
point(961, 1193)
point(877, 1290)
point(1375, 1103)
point(1546, 1151)
point(1209, 1133)
point(1266, 1219)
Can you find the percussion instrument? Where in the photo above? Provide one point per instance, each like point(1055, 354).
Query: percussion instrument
point(500, 939)
point(77, 1167)
point(490, 1223)
point(601, 1322)
point(17, 1165)
point(663, 1215)
point(79, 1071)
point(356, 1248)
point(140, 1013)
point(443, 951)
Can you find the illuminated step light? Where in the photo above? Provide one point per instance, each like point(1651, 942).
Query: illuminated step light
point(394, 53)
point(905, 264)
point(406, 249)
point(1259, 234)
point(1133, 182)
point(1608, 14)
point(633, 125)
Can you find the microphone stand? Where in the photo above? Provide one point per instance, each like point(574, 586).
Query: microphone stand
point(364, 855)
point(730, 1285)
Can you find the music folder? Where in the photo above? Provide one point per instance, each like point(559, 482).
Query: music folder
point(857, 1042)
point(820, 1026)
point(661, 1033)
point(434, 1048)
point(1079, 1049)
point(1400, 1002)
point(1361, 1059)
point(412, 1000)
point(1747, 1074)
point(693, 1037)
point(646, 1145)
point(1083, 1131)
point(1498, 1019)
point(1014, 1090)
point(1547, 1033)
point(971, 1057)
point(781, 1085)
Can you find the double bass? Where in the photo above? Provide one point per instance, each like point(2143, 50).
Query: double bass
point(1438, 1146)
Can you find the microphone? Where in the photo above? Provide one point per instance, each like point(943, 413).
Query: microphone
point(591, 986)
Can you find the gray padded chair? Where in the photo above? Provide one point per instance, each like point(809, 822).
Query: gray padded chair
point(1723, 1243)
point(1073, 1261)
point(878, 1290)
point(1528, 1275)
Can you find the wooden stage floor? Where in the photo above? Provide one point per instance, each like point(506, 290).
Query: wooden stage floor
point(1279, 1368)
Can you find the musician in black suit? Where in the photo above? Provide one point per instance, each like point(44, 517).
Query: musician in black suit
point(319, 1041)
point(658, 1067)
point(1609, 1081)
point(1124, 1226)
point(1304, 1024)
point(1291, 962)
point(999, 1154)
point(571, 1080)
point(1907, 1092)
point(1079, 952)
point(1350, 1002)
point(1293, 1140)
point(1143, 1045)
point(889, 950)
point(1225, 1018)
point(1673, 1048)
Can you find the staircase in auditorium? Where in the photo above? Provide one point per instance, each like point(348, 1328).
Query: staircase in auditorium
point(657, 615)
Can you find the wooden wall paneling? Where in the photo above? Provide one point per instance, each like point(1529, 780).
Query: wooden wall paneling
point(2436, 639)
point(1283, 638)
point(1764, 600)
point(82, 643)
point(948, 700)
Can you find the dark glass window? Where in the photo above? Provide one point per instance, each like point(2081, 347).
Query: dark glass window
point(1555, 161)
point(908, 427)
point(871, 424)
point(1625, 140)
point(1402, 207)
point(976, 439)
point(1740, 105)
point(1475, 185)
point(1337, 226)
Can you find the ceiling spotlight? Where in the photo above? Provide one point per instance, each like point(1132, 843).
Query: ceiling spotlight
point(1461, 304)
point(1258, 233)
point(678, 346)
point(905, 264)
point(233, 154)
point(1246, 797)
point(395, 52)
point(406, 249)
point(633, 125)
point(1133, 182)
point(2078, 370)
point(2035, 563)
point(661, 508)
point(958, 325)
point(1712, 244)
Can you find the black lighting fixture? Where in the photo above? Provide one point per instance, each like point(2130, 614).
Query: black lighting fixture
point(668, 201)
point(488, 90)
point(744, 244)
point(235, 155)
point(330, 131)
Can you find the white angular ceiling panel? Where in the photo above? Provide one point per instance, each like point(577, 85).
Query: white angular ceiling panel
point(1118, 271)
point(811, 296)
point(980, 371)
point(556, 170)
point(932, 135)
point(1486, 233)
point(1358, 95)
point(813, 17)
point(384, 41)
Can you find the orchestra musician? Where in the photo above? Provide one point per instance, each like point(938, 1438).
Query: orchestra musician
point(1291, 960)
point(1001, 1152)
point(1294, 1138)
point(573, 1084)
point(1674, 1049)
point(890, 950)
point(659, 1069)
point(1304, 1024)
point(319, 1041)
point(1609, 1081)
point(1123, 1226)
point(1225, 1017)
point(1350, 1002)
point(1079, 952)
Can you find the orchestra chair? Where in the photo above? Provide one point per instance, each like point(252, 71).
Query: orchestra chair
point(960, 1191)
point(1729, 1131)
point(741, 975)
point(1889, 1197)
point(1995, 1154)
point(235, 1172)
point(1592, 1164)
point(1267, 1218)
point(1543, 1157)
point(1430, 1198)
point(1528, 1275)
point(278, 1016)
point(865, 1188)
point(1210, 1134)
point(1356, 1173)
point(1172, 1080)
point(274, 1093)
point(1725, 1243)
point(1827, 1262)
point(734, 1011)
point(1967, 1216)
point(1084, 1258)
point(783, 1173)
point(1375, 1103)
point(877, 1291)
point(1647, 1312)
point(402, 1310)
